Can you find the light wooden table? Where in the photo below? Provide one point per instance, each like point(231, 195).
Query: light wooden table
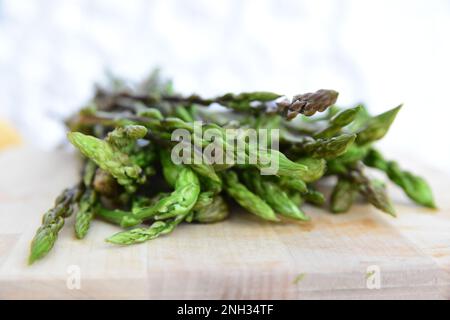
point(243, 258)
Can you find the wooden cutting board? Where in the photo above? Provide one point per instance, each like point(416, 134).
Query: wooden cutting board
point(334, 256)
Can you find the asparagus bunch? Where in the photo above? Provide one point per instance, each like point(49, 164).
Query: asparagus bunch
point(129, 178)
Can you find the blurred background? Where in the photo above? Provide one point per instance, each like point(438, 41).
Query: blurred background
point(382, 53)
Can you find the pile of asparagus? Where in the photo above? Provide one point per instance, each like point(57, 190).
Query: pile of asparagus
point(129, 178)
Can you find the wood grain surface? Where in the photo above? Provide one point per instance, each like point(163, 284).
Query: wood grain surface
point(242, 258)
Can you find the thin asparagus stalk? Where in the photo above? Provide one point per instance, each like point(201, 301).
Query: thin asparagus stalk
point(52, 223)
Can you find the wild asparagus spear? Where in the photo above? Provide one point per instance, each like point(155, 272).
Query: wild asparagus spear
point(373, 190)
point(415, 187)
point(315, 168)
point(108, 158)
point(343, 196)
point(119, 217)
point(314, 197)
point(215, 211)
point(321, 148)
point(310, 103)
point(87, 201)
point(174, 207)
point(338, 122)
point(274, 195)
point(246, 198)
point(376, 127)
point(52, 223)
point(179, 202)
point(85, 213)
point(139, 235)
point(297, 185)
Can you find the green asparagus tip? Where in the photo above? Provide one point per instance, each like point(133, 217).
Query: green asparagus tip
point(391, 211)
point(111, 240)
point(305, 218)
point(115, 240)
point(72, 135)
point(431, 205)
point(80, 234)
point(31, 260)
point(33, 257)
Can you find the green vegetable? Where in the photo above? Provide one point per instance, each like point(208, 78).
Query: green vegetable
point(179, 202)
point(274, 195)
point(343, 196)
point(315, 168)
point(214, 211)
point(339, 121)
point(139, 235)
point(52, 223)
point(310, 103)
point(314, 197)
point(87, 202)
point(415, 187)
point(293, 184)
point(108, 156)
point(247, 199)
point(122, 218)
point(376, 128)
point(323, 148)
point(85, 213)
point(128, 134)
point(373, 190)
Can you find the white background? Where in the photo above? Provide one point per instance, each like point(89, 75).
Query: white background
point(379, 52)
